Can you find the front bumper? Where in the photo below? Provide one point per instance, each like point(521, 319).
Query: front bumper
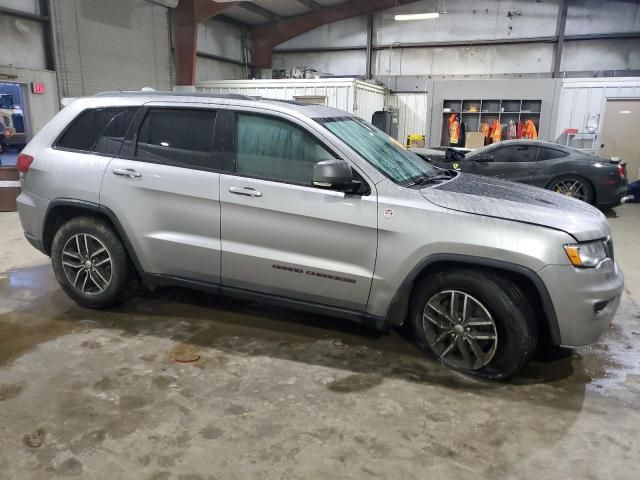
point(585, 299)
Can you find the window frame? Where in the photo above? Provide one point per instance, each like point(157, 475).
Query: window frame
point(55, 144)
point(230, 165)
point(215, 153)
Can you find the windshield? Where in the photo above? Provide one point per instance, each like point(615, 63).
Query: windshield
point(379, 149)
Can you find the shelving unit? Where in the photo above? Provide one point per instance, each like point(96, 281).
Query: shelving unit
point(476, 112)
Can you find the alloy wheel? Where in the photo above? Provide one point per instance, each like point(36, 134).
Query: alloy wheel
point(460, 330)
point(572, 187)
point(87, 264)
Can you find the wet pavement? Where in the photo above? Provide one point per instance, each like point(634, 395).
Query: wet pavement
point(185, 385)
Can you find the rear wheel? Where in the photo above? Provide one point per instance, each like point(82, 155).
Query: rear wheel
point(574, 187)
point(90, 262)
point(475, 322)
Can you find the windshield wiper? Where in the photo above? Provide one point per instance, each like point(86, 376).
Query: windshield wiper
point(427, 179)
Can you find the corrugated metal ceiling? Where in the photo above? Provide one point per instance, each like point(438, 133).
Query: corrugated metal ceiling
point(283, 8)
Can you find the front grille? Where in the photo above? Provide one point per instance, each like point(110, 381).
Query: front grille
point(608, 247)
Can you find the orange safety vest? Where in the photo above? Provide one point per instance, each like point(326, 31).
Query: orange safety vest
point(496, 134)
point(485, 130)
point(454, 129)
point(529, 131)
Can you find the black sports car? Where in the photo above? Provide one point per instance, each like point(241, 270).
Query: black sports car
point(565, 170)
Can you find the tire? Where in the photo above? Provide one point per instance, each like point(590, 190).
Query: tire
point(104, 283)
point(495, 308)
point(585, 191)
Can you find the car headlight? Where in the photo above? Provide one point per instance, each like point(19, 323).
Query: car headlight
point(586, 255)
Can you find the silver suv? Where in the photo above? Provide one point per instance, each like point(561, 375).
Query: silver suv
point(310, 207)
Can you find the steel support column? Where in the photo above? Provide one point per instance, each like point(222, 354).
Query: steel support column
point(184, 26)
point(560, 29)
point(47, 35)
point(369, 72)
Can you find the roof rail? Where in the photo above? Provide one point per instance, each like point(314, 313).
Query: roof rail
point(158, 93)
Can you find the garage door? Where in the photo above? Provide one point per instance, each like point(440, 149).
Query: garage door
point(114, 45)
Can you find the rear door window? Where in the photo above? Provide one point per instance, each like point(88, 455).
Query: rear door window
point(99, 130)
point(181, 137)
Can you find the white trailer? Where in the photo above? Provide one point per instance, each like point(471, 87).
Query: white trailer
point(352, 95)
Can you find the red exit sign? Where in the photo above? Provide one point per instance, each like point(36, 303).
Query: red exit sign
point(37, 88)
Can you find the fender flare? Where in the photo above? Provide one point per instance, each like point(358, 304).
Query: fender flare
point(97, 208)
point(399, 306)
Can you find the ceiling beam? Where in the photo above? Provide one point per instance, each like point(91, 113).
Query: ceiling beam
point(265, 37)
point(252, 7)
point(184, 28)
point(315, 6)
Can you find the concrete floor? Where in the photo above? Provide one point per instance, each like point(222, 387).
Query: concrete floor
point(279, 394)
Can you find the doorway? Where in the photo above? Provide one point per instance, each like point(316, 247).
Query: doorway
point(13, 122)
point(620, 134)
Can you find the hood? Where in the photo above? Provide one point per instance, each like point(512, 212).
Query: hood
point(497, 198)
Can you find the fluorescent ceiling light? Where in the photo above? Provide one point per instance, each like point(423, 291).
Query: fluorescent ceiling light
point(416, 16)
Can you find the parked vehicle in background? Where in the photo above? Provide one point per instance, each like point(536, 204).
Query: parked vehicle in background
point(565, 170)
point(12, 131)
point(311, 207)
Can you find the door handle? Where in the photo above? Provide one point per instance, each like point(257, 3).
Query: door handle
point(245, 191)
point(127, 172)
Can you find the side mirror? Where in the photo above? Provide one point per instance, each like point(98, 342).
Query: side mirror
point(334, 175)
point(484, 158)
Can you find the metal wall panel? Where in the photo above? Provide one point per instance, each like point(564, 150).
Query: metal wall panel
point(22, 43)
point(353, 96)
point(212, 69)
point(602, 16)
point(580, 98)
point(468, 20)
point(494, 59)
point(598, 55)
point(28, 6)
point(412, 113)
point(350, 62)
point(115, 45)
point(475, 21)
point(367, 101)
point(220, 38)
point(351, 32)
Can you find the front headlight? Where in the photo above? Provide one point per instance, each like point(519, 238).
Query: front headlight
point(588, 254)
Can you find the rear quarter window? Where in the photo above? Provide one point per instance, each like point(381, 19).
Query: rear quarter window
point(99, 130)
point(550, 154)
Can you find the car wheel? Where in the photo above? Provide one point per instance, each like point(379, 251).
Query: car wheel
point(474, 322)
point(573, 186)
point(90, 262)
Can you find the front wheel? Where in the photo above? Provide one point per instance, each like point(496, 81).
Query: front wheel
point(90, 262)
point(475, 322)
